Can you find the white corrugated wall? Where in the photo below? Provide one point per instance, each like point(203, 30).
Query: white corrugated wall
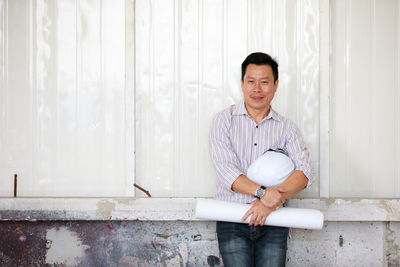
point(70, 87)
point(63, 114)
point(188, 57)
point(365, 99)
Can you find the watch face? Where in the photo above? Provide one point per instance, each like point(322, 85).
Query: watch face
point(260, 192)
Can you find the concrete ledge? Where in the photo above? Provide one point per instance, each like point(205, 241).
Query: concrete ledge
point(352, 209)
point(173, 209)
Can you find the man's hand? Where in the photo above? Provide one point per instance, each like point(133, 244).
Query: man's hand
point(261, 208)
point(273, 197)
point(258, 213)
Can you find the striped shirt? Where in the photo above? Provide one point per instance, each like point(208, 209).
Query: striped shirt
point(236, 141)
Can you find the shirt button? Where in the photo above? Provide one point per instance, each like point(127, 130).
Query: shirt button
point(256, 126)
point(255, 144)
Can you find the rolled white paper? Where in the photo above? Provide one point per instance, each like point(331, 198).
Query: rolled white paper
point(217, 210)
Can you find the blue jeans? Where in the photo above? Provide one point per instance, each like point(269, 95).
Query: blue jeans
point(244, 245)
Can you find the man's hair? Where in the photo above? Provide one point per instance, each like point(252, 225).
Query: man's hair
point(259, 58)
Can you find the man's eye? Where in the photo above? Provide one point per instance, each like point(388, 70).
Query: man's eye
point(264, 82)
point(250, 81)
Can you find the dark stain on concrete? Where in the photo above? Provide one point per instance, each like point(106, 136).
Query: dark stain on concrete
point(213, 260)
point(341, 241)
point(197, 237)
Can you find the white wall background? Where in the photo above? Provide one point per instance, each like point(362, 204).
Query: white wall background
point(365, 99)
point(188, 57)
point(68, 92)
point(63, 119)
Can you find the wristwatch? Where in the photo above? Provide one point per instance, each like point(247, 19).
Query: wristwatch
point(260, 192)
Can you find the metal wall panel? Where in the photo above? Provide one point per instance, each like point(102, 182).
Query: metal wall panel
point(63, 97)
point(66, 111)
point(64, 103)
point(188, 56)
point(365, 133)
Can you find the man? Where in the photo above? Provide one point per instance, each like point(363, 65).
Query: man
point(239, 135)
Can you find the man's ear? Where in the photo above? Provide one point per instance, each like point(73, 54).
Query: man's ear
point(276, 85)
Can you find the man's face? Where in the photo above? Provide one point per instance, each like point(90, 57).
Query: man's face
point(258, 87)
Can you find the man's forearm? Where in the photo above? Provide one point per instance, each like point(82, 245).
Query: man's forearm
point(296, 182)
point(244, 185)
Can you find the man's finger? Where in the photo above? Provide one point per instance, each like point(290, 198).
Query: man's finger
point(256, 222)
point(252, 219)
point(263, 220)
point(247, 214)
point(282, 190)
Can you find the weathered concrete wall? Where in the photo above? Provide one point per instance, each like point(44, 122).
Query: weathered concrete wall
point(347, 244)
point(185, 243)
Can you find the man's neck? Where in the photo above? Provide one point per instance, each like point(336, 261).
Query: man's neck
point(258, 115)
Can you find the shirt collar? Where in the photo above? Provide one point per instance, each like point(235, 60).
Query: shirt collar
point(240, 109)
point(273, 115)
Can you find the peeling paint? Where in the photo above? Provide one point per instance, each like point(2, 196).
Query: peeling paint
point(100, 243)
point(135, 243)
point(393, 244)
point(65, 247)
point(176, 261)
point(105, 208)
point(164, 234)
point(344, 201)
point(126, 201)
point(183, 251)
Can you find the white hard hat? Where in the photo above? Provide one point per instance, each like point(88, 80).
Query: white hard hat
point(271, 168)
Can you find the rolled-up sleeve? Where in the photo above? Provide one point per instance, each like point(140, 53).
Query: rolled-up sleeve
point(224, 158)
point(298, 152)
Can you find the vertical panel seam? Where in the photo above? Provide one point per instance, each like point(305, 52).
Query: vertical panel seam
point(129, 95)
point(199, 90)
point(224, 45)
point(396, 103)
point(175, 63)
point(247, 25)
point(347, 62)
point(102, 93)
point(5, 73)
point(299, 35)
point(273, 11)
point(33, 90)
point(78, 68)
point(151, 81)
point(371, 163)
point(325, 86)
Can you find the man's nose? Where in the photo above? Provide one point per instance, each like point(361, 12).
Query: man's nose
point(257, 86)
